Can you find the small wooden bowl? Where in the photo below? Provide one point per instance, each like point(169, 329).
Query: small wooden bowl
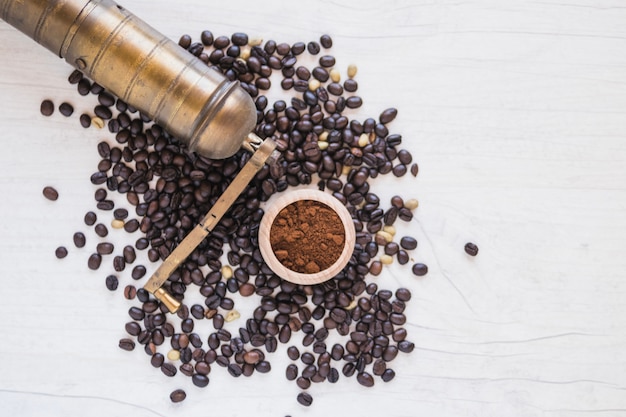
point(268, 219)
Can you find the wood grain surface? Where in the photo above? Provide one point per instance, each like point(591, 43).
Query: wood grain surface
point(515, 111)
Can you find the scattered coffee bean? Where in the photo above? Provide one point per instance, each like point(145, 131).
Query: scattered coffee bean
point(101, 230)
point(130, 292)
point(408, 243)
point(66, 109)
point(111, 282)
point(60, 252)
point(419, 269)
point(127, 344)
point(47, 108)
point(178, 395)
point(305, 399)
point(471, 249)
point(90, 218)
point(50, 193)
point(94, 261)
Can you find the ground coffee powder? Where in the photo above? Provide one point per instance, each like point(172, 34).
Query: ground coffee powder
point(307, 236)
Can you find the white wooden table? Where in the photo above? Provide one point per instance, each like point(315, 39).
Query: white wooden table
point(516, 114)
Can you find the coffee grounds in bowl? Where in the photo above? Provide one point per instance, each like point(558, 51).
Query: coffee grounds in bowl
point(307, 236)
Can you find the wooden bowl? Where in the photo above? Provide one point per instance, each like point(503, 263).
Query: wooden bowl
point(268, 219)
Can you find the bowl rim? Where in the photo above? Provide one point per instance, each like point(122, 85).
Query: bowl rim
point(291, 197)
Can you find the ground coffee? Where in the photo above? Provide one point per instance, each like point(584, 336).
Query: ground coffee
point(307, 236)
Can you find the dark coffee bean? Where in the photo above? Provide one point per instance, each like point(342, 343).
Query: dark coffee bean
point(419, 269)
point(313, 48)
point(103, 112)
point(354, 102)
point(127, 344)
point(414, 170)
point(200, 380)
point(327, 61)
point(305, 399)
point(104, 248)
point(388, 375)
point(326, 41)
point(120, 213)
point(94, 261)
point(239, 39)
point(365, 379)
point(66, 109)
point(90, 218)
point(206, 37)
point(168, 369)
point(303, 383)
point(376, 268)
point(131, 226)
point(399, 170)
point(291, 372)
point(178, 395)
point(408, 243)
point(111, 282)
point(60, 252)
point(50, 193)
point(320, 74)
point(75, 77)
point(83, 86)
point(403, 294)
point(138, 272)
point(406, 346)
point(388, 115)
point(118, 263)
point(350, 85)
point(101, 230)
point(405, 157)
point(471, 249)
point(47, 108)
point(129, 254)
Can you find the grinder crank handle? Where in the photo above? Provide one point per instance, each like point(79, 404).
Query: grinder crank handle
point(264, 151)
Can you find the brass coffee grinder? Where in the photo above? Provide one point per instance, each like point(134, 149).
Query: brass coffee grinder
point(144, 68)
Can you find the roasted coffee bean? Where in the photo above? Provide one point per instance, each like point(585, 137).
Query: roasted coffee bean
point(388, 375)
point(130, 292)
point(50, 193)
point(365, 379)
point(168, 369)
point(471, 249)
point(104, 248)
point(47, 108)
point(129, 254)
point(305, 399)
point(291, 372)
point(60, 252)
point(263, 367)
point(90, 218)
point(138, 272)
point(326, 41)
point(408, 243)
point(127, 344)
point(200, 380)
point(94, 261)
point(111, 282)
point(419, 269)
point(406, 346)
point(101, 230)
point(66, 109)
point(313, 48)
point(178, 395)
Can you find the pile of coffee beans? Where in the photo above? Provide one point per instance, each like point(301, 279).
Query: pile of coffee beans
point(171, 189)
